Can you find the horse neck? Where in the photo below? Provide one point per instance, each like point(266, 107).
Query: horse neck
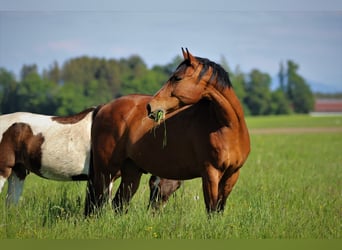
point(230, 114)
point(228, 109)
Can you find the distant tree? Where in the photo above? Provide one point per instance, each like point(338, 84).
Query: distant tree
point(88, 81)
point(238, 80)
point(54, 73)
point(70, 99)
point(27, 70)
point(298, 91)
point(8, 92)
point(258, 96)
point(35, 94)
point(279, 103)
point(282, 76)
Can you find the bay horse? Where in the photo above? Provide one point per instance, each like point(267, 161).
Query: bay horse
point(197, 129)
point(52, 147)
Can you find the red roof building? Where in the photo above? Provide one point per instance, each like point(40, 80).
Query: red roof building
point(328, 106)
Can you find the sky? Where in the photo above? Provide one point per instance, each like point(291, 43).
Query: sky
point(250, 34)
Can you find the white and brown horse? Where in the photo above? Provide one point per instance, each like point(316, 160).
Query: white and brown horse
point(55, 148)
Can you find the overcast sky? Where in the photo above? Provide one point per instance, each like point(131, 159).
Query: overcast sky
point(259, 34)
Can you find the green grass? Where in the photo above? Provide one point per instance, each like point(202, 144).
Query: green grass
point(289, 188)
point(293, 121)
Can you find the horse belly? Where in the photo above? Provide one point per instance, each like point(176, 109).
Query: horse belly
point(63, 162)
point(165, 163)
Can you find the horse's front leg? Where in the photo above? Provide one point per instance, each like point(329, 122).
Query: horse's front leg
point(210, 182)
point(16, 184)
point(15, 189)
point(4, 174)
point(226, 185)
point(130, 179)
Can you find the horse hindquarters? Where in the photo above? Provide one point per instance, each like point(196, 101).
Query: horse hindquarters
point(97, 191)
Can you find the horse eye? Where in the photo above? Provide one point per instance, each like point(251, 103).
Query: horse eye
point(176, 78)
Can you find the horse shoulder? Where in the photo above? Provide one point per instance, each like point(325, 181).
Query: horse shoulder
point(227, 149)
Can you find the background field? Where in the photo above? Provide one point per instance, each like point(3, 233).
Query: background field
point(290, 188)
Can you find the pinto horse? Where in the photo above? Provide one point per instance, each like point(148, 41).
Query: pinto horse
point(52, 147)
point(56, 148)
point(197, 129)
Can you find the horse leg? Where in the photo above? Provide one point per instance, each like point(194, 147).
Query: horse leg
point(226, 185)
point(210, 182)
point(160, 190)
point(130, 179)
point(155, 195)
point(97, 192)
point(15, 189)
point(7, 162)
point(16, 184)
point(4, 174)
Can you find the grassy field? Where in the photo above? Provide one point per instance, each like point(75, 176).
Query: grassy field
point(290, 188)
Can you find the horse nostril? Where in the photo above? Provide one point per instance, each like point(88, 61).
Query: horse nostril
point(149, 111)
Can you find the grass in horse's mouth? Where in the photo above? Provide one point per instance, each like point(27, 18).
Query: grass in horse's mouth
point(160, 116)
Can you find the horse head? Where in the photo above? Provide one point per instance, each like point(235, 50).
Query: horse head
point(192, 81)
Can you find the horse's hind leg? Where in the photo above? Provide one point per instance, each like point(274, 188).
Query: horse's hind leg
point(97, 192)
point(130, 179)
point(160, 190)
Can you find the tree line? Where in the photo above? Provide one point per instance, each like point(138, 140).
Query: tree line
point(88, 81)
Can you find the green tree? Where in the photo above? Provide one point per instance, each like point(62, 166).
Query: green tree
point(8, 92)
point(258, 96)
point(54, 73)
point(35, 94)
point(282, 76)
point(298, 91)
point(279, 103)
point(70, 99)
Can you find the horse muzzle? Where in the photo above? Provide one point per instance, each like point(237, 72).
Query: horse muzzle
point(156, 115)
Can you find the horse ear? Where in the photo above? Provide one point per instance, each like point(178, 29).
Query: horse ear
point(191, 58)
point(187, 55)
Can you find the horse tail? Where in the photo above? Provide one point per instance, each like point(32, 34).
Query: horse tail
point(96, 110)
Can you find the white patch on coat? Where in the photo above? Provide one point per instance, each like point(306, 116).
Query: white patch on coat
point(66, 147)
point(15, 189)
point(2, 182)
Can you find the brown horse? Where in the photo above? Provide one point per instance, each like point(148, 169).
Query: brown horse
point(203, 134)
point(55, 148)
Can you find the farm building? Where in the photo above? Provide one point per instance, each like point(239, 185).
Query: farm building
point(327, 107)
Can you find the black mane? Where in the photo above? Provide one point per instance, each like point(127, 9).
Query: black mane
point(218, 72)
point(223, 80)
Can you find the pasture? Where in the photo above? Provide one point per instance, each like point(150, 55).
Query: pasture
point(289, 188)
